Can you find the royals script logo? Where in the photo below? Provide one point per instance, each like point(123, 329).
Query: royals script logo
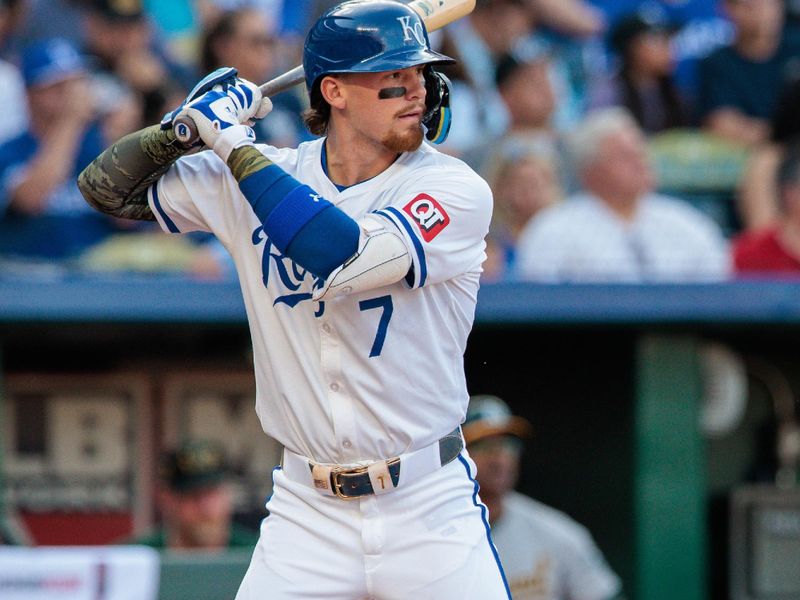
point(290, 274)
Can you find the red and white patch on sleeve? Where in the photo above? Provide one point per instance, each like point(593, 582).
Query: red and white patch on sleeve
point(428, 214)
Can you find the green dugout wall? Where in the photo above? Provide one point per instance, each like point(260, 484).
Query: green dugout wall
point(615, 444)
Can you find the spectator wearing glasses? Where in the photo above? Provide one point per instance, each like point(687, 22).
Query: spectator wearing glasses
point(244, 38)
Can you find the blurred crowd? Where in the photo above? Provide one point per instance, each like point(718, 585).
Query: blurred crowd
point(624, 140)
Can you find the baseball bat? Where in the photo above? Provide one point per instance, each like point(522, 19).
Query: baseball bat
point(434, 13)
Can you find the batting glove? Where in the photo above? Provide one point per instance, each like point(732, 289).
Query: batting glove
point(251, 105)
point(223, 77)
point(249, 102)
point(217, 118)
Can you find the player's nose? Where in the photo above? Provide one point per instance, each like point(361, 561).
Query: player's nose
point(416, 85)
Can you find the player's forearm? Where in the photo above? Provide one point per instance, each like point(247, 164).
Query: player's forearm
point(317, 235)
point(116, 182)
point(300, 223)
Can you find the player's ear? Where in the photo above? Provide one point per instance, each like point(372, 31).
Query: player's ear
point(332, 91)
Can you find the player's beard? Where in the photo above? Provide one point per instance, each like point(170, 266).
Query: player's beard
point(403, 142)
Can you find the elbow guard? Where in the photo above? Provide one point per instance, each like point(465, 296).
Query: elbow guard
point(382, 258)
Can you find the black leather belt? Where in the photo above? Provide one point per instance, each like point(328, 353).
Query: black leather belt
point(355, 482)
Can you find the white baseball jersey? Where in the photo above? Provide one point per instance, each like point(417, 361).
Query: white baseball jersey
point(370, 375)
point(546, 555)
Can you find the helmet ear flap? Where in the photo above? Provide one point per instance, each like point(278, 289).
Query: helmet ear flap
point(437, 106)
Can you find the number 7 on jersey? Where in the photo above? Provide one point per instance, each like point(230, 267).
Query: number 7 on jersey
point(385, 303)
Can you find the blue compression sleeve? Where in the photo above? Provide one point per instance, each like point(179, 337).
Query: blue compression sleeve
point(301, 224)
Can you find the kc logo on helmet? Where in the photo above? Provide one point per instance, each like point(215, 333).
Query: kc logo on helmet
point(428, 214)
point(409, 30)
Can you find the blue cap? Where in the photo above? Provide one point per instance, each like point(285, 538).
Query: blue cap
point(50, 61)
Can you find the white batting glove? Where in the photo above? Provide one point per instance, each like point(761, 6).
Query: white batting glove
point(218, 118)
point(247, 97)
point(251, 104)
point(224, 76)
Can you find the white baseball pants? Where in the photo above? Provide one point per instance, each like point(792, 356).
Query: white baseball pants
point(428, 539)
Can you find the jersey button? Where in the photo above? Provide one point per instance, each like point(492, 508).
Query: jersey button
point(326, 328)
point(347, 443)
point(335, 387)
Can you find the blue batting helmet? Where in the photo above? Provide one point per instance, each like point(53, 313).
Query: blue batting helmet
point(367, 37)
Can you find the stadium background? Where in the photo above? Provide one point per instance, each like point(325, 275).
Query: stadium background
point(93, 385)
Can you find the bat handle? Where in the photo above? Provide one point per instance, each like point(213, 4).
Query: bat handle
point(186, 131)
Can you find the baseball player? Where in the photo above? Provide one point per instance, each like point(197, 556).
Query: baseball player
point(359, 255)
point(546, 554)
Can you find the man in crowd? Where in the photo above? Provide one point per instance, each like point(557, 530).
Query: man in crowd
point(42, 213)
point(617, 228)
point(739, 84)
point(196, 502)
point(545, 553)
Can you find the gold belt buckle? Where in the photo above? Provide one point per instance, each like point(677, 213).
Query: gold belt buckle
point(336, 483)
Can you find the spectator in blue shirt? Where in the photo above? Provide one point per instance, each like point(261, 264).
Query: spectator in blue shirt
point(42, 213)
point(740, 82)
